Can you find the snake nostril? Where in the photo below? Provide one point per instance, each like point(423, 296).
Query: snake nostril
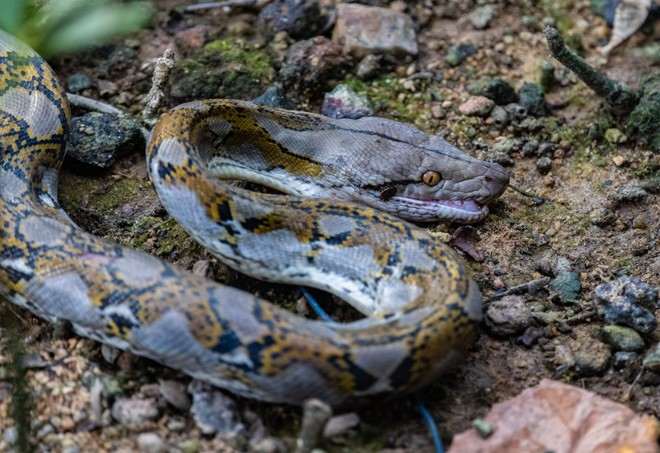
point(489, 178)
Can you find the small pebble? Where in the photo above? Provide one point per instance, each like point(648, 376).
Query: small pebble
point(624, 359)
point(544, 165)
point(10, 435)
point(78, 82)
point(482, 16)
point(457, 54)
point(135, 412)
point(151, 443)
point(615, 136)
point(477, 106)
point(531, 97)
point(652, 359)
point(508, 316)
point(483, 428)
point(592, 358)
point(339, 424)
point(214, 412)
point(623, 301)
point(619, 160)
point(629, 192)
point(175, 393)
point(500, 116)
point(601, 217)
point(516, 111)
point(622, 338)
point(567, 286)
point(343, 102)
point(368, 67)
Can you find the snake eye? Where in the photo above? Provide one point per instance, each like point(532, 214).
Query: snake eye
point(431, 178)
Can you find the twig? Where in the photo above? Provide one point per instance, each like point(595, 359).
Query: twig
point(227, 4)
point(154, 98)
point(528, 194)
point(93, 104)
point(522, 288)
point(619, 96)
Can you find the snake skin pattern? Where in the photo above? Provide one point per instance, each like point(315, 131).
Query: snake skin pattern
point(420, 302)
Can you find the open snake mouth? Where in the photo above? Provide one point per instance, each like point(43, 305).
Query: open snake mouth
point(468, 206)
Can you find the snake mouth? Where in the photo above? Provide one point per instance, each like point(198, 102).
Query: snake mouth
point(434, 209)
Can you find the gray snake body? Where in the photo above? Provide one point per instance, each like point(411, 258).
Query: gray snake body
point(420, 303)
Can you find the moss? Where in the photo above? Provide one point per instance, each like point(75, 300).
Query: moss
point(76, 189)
point(229, 68)
point(643, 120)
point(171, 238)
point(390, 97)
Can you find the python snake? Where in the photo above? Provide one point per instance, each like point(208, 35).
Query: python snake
point(420, 304)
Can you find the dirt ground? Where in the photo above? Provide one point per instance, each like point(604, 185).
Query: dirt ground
point(522, 239)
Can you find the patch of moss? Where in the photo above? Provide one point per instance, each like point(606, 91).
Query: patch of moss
point(228, 68)
point(390, 97)
point(75, 190)
point(170, 236)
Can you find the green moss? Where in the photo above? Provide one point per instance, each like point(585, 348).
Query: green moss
point(390, 97)
point(228, 68)
point(76, 191)
point(171, 237)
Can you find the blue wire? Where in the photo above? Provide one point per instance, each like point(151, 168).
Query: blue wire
point(315, 306)
point(428, 418)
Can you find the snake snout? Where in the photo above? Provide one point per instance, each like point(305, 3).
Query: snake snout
point(496, 180)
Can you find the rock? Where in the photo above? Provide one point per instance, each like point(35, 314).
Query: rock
point(505, 146)
point(624, 359)
point(368, 67)
point(363, 30)
point(601, 217)
point(151, 443)
point(622, 301)
point(516, 111)
point(78, 82)
point(592, 358)
point(300, 19)
point(500, 116)
point(214, 412)
point(343, 102)
point(615, 136)
point(275, 97)
point(652, 359)
point(531, 97)
point(544, 165)
point(508, 316)
point(97, 140)
point(310, 65)
point(497, 89)
point(482, 16)
point(339, 424)
point(530, 147)
point(622, 338)
point(476, 106)
point(567, 286)
point(268, 445)
point(10, 435)
point(457, 54)
point(554, 416)
point(175, 393)
point(135, 412)
point(629, 192)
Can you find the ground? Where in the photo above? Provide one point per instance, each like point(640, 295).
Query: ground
point(521, 240)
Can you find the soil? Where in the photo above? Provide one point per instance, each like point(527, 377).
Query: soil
point(522, 240)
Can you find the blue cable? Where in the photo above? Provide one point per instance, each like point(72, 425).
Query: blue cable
point(315, 306)
point(428, 418)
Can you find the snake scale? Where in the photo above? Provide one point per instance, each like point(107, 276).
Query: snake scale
point(420, 304)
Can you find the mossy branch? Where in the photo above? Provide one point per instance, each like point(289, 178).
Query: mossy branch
point(618, 95)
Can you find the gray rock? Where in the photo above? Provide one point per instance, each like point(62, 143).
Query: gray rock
point(544, 165)
point(368, 67)
point(531, 97)
point(135, 412)
point(214, 412)
point(363, 30)
point(275, 97)
point(78, 82)
point(457, 54)
point(622, 338)
point(500, 116)
point(482, 16)
point(624, 359)
point(339, 424)
point(629, 192)
point(567, 286)
point(175, 393)
point(98, 139)
point(151, 443)
point(300, 19)
point(652, 359)
point(508, 316)
point(343, 102)
point(505, 146)
point(592, 358)
point(623, 301)
point(10, 435)
point(530, 147)
point(601, 217)
point(516, 111)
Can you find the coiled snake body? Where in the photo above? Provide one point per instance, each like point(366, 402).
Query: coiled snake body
point(420, 303)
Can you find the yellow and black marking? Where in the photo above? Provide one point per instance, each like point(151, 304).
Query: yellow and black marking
point(222, 335)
